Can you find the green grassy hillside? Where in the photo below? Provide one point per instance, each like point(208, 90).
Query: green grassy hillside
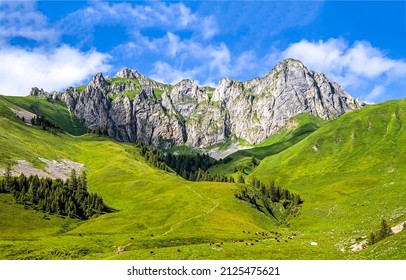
point(350, 172)
point(352, 179)
point(53, 110)
point(298, 128)
point(155, 209)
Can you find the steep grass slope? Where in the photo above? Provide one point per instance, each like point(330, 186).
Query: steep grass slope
point(298, 128)
point(53, 110)
point(154, 209)
point(351, 173)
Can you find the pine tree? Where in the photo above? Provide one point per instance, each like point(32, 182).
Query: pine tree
point(371, 238)
point(241, 179)
point(73, 182)
point(385, 230)
point(82, 180)
point(2, 186)
point(8, 178)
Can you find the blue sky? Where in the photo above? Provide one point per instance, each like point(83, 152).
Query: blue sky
point(55, 44)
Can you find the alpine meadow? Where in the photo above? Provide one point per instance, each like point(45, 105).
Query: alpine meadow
point(286, 166)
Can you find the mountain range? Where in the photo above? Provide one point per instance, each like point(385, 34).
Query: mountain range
point(130, 106)
point(317, 172)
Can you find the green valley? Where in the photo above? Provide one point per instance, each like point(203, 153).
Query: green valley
point(350, 173)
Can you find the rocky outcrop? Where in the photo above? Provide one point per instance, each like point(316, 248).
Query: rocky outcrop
point(260, 107)
point(131, 106)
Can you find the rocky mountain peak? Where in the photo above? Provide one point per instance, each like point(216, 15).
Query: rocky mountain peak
point(290, 63)
point(186, 86)
point(127, 73)
point(186, 114)
point(289, 68)
point(37, 92)
point(98, 81)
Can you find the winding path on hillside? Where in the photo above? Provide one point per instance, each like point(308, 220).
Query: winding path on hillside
point(215, 205)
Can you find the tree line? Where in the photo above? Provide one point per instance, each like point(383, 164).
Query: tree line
point(189, 167)
point(68, 198)
point(45, 124)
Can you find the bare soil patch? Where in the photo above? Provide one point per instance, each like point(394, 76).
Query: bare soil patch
point(54, 169)
point(24, 114)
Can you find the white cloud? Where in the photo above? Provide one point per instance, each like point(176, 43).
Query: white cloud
point(364, 60)
point(163, 72)
point(134, 18)
point(51, 66)
point(206, 63)
point(54, 69)
point(209, 27)
point(360, 67)
point(21, 19)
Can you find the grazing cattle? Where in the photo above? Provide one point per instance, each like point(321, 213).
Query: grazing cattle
point(151, 252)
point(243, 231)
point(131, 238)
point(178, 250)
point(152, 235)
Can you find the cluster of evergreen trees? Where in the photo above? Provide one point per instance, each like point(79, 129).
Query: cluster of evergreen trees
point(271, 191)
point(190, 167)
point(45, 124)
point(202, 175)
point(268, 198)
point(383, 232)
point(152, 155)
point(69, 198)
point(244, 168)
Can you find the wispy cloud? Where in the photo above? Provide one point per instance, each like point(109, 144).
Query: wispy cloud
point(172, 41)
point(376, 93)
point(188, 58)
point(21, 19)
point(360, 67)
point(48, 63)
point(135, 18)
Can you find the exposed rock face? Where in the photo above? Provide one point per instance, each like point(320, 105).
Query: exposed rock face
point(131, 106)
point(260, 107)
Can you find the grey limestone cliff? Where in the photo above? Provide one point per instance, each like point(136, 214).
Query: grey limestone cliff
point(131, 106)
